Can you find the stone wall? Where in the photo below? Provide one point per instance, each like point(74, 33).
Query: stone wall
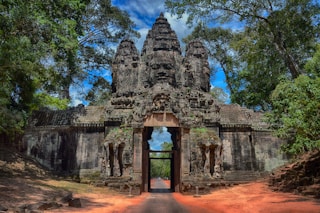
point(65, 150)
point(251, 151)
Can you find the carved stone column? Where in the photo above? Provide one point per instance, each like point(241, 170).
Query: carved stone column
point(218, 169)
point(207, 162)
point(116, 167)
point(137, 154)
point(107, 159)
point(185, 152)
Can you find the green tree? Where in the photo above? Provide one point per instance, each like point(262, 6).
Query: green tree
point(296, 109)
point(313, 65)
point(100, 92)
point(41, 52)
point(161, 167)
point(276, 40)
point(296, 113)
point(28, 34)
point(104, 26)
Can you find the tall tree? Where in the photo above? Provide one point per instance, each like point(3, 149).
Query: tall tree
point(30, 32)
point(296, 109)
point(104, 25)
point(276, 39)
point(40, 52)
point(284, 21)
point(100, 92)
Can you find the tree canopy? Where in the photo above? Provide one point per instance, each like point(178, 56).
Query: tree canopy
point(273, 40)
point(161, 165)
point(48, 46)
point(296, 109)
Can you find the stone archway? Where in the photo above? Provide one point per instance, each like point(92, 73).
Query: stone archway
point(171, 122)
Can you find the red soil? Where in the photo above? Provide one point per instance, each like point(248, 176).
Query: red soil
point(246, 198)
point(253, 197)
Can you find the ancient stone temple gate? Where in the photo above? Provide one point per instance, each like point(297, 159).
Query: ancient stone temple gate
point(212, 142)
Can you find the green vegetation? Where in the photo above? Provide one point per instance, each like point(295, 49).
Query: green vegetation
point(271, 62)
point(91, 177)
point(200, 135)
point(161, 167)
point(47, 47)
point(120, 133)
point(296, 111)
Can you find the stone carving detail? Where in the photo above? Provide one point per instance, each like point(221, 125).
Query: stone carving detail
point(117, 159)
point(206, 153)
point(197, 67)
point(125, 69)
point(160, 102)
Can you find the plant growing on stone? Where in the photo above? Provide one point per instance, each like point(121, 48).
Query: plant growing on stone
point(203, 134)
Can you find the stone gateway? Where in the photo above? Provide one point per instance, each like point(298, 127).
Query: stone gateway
point(212, 142)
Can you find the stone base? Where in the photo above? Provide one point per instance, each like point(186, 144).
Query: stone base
point(190, 184)
point(124, 185)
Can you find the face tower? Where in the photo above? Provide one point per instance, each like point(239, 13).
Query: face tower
point(160, 79)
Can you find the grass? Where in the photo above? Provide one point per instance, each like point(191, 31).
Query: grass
point(74, 187)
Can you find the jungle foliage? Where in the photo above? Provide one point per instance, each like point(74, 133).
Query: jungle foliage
point(161, 167)
point(47, 47)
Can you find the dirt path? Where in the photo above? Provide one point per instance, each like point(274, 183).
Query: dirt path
point(254, 197)
point(246, 198)
point(159, 201)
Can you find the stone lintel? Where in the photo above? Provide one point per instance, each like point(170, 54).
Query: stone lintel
point(161, 119)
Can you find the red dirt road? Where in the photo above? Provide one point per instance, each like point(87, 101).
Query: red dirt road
point(246, 198)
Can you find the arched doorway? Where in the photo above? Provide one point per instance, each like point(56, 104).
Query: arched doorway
point(154, 153)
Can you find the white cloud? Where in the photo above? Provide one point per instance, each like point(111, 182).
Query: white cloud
point(158, 137)
point(76, 92)
point(75, 98)
point(139, 42)
point(179, 25)
point(144, 7)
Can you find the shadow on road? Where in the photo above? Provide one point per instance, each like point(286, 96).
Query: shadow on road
point(160, 191)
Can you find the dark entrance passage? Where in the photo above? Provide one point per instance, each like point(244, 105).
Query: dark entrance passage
point(161, 159)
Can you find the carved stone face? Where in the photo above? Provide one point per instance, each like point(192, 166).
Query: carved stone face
point(163, 72)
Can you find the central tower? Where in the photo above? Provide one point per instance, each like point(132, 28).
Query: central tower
point(159, 87)
point(160, 64)
point(161, 55)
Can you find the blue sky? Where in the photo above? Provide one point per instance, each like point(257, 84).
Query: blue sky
point(158, 138)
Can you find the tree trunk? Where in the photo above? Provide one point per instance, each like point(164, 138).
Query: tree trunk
point(288, 58)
